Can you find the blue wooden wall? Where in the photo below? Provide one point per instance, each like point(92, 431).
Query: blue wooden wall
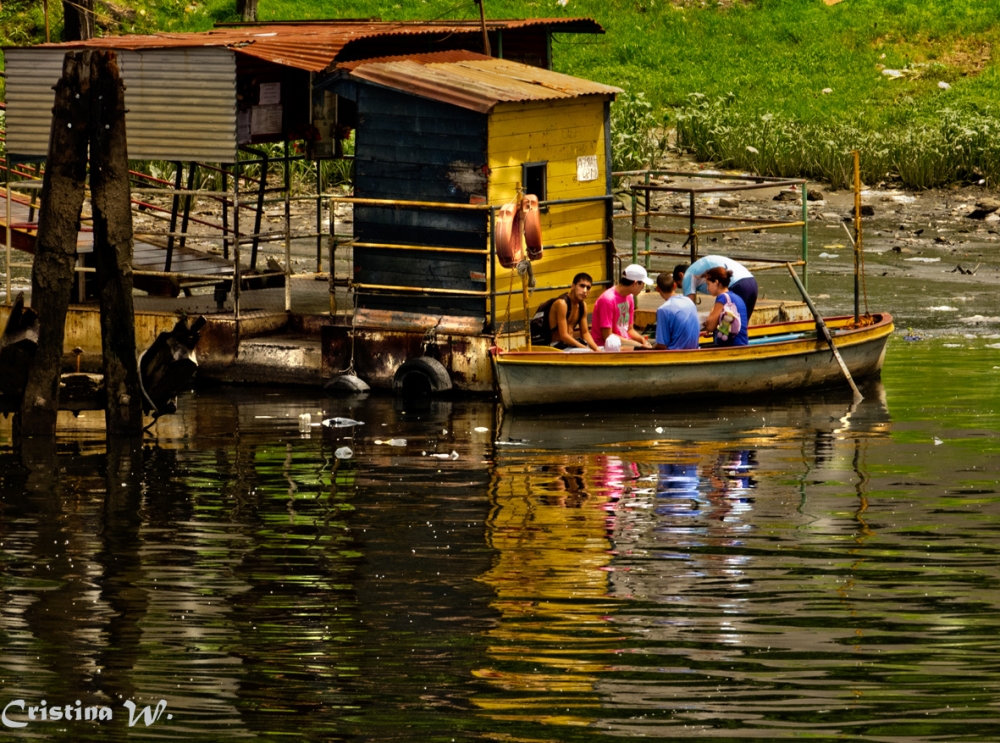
point(414, 149)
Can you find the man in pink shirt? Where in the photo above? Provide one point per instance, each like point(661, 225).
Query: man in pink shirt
point(614, 311)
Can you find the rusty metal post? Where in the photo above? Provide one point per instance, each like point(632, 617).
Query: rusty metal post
point(692, 235)
point(237, 271)
point(857, 235)
point(493, 270)
point(6, 300)
point(646, 222)
point(225, 211)
point(288, 230)
point(805, 235)
point(635, 246)
point(174, 205)
point(319, 215)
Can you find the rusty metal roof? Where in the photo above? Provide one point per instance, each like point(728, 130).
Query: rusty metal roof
point(315, 45)
point(473, 81)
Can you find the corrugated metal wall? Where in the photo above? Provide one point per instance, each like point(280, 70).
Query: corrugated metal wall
point(181, 102)
point(416, 149)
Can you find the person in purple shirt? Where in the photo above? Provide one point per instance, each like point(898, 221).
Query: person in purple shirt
point(677, 324)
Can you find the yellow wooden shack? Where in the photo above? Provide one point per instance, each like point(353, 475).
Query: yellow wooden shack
point(448, 138)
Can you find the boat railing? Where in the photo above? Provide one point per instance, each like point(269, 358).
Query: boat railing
point(687, 183)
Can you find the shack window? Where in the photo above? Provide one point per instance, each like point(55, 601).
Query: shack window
point(533, 175)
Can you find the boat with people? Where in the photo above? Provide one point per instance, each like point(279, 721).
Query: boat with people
point(780, 356)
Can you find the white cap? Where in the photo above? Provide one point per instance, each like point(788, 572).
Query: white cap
point(612, 343)
point(635, 272)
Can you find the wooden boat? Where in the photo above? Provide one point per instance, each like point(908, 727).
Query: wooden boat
point(781, 356)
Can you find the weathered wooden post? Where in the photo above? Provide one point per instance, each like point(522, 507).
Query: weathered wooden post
point(55, 252)
point(113, 246)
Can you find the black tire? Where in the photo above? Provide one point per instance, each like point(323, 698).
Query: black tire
point(421, 377)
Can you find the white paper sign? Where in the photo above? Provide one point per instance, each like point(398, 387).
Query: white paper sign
point(265, 120)
point(270, 94)
point(586, 168)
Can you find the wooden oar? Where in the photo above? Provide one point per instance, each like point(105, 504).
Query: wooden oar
point(825, 331)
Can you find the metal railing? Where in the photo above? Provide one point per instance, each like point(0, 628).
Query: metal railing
point(693, 232)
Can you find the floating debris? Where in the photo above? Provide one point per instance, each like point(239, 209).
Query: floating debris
point(343, 452)
point(342, 422)
point(481, 429)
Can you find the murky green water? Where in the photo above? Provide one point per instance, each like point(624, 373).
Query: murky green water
point(767, 571)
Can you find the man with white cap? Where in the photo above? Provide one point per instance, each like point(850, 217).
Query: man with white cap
point(614, 311)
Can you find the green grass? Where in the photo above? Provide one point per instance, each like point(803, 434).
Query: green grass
point(774, 56)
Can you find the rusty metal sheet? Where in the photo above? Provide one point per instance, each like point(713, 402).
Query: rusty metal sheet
point(475, 81)
point(314, 45)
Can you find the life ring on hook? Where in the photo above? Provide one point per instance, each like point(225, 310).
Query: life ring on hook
point(532, 227)
point(508, 236)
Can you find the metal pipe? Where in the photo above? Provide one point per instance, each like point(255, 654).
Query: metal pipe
point(577, 200)
point(716, 218)
point(431, 290)
point(857, 235)
point(288, 233)
point(414, 204)
point(319, 216)
point(805, 234)
point(175, 203)
point(715, 189)
point(423, 248)
point(8, 230)
point(646, 219)
point(192, 169)
point(635, 246)
point(225, 213)
point(493, 271)
point(692, 234)
point(237, 269)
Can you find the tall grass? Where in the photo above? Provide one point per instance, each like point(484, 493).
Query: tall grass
point(961, 146)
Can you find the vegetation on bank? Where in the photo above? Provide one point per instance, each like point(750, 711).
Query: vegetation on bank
point(780, 87)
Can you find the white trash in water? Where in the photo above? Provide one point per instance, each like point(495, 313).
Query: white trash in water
point(305, 423)
point(481, 429)
point(341, 422)
point(343, 452)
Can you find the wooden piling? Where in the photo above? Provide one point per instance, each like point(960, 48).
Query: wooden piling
point(113, 245)
point(55, 251)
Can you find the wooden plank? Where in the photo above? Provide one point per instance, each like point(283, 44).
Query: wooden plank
point(392, 234)
point(428, 125)
point(457, 306)
point(378, 138)
point(532, 153)
point(590, 136)
point(398, 218)
point(511, 112)
point(417, 269)
point(376, 102)
point(412, 155)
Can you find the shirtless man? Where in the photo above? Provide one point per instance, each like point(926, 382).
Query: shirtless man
point(564, 318)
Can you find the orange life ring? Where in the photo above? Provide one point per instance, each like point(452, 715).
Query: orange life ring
point(508, 236)
point(532, 227)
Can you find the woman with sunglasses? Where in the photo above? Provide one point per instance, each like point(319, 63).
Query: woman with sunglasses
point(717, 281)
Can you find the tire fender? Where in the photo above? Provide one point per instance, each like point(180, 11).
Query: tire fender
point(421, 377)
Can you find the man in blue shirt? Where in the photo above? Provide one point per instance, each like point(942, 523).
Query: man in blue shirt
point(677, 325)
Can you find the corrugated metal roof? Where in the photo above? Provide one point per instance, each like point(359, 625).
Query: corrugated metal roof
point(474, 81)
point(315, 45)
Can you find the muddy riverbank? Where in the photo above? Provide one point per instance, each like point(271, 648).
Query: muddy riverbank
point(927, 261)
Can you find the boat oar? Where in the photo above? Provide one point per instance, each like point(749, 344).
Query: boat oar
point(821, 326)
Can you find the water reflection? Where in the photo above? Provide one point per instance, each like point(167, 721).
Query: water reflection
point(765, 570)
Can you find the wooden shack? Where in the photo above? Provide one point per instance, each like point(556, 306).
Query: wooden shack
point(465, 129)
